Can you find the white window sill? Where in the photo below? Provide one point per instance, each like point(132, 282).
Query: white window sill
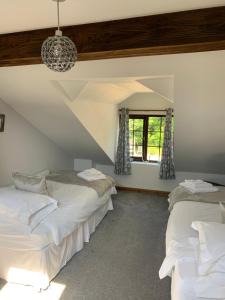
point(145, 163)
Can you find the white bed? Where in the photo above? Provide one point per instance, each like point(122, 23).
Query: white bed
point(179, 229)
point(36, 258)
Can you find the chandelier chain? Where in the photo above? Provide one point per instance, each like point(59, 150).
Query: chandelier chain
point(58, 14)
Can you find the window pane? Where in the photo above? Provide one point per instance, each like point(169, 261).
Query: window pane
point(138, 124)
point(154, 138)
point(138, 151)
point(138, 138)
point(160, 153)
point(131, 150)
point(131, 141)
point(153, 154)
point(131, 122)
point(154, 123)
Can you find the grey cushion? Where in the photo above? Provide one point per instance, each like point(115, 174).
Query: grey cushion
point(34, 184)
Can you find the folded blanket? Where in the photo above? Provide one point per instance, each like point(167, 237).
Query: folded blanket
point(91, 175)
point(70, 177)
point(182, 194)
point(198, 186)
point(197, 182)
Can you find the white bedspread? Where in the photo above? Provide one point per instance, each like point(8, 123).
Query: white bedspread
point(75, 205)
point(184, 213)
point(181, 254)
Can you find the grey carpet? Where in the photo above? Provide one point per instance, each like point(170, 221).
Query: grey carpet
point(122, 260)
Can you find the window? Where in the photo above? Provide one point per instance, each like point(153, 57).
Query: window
point(146, 137)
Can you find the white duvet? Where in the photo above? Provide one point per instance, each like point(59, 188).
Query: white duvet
point(75, 205)
point(196, 262)
point(211, 259)
point(199, 285)
point(24, 209)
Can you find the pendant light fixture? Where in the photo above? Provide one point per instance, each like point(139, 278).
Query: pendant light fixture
point(59, 52)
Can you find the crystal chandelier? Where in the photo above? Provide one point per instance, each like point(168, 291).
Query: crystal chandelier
point(59, 52)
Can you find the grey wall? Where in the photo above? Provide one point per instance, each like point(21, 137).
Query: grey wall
point(23, 148)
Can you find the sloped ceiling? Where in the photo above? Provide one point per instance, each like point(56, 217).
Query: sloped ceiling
point(19, 15)
point(198, 92)
point(71, 111)
point(95, 102)
point(163, 86)
point(109, 91)
point(114, 90)
point(40, 103)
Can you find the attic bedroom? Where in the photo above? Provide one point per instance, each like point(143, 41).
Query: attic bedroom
point(112, 150)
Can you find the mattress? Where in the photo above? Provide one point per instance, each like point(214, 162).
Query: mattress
point(36, 258)
point(179, 229)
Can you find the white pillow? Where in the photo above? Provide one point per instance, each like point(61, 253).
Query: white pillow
point(34, 184)
point(22, 206)
point(211, 247)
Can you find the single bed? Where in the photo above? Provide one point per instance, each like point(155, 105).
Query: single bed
point(36, 258)
point(179, 229)
point(184, 246)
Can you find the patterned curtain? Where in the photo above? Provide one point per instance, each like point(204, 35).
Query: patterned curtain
point(167, 168)
point(123, 162)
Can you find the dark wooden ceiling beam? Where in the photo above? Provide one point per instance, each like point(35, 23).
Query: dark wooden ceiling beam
point(180, 32)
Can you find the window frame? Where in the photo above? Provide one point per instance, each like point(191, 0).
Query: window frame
point(145, 146)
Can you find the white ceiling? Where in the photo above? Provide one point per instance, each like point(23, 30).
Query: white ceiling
point(19, 15)
point(111, 91)
point(114, 90)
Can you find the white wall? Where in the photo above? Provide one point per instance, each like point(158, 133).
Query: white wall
point(35, 97)
point(146, 176)
point(146, 101)
point(100, 120)
point(199, 116)
point(82, 164)
point(199, 103)
point(23, 148)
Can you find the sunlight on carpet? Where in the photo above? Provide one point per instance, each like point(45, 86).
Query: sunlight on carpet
point(11, 291)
